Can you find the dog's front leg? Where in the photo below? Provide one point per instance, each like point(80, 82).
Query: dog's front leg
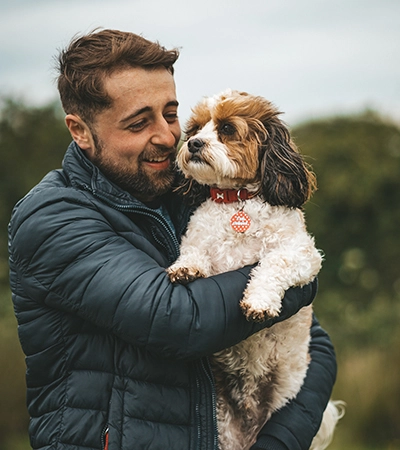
point(263, 295)
point(192, 264)
point(270, 279)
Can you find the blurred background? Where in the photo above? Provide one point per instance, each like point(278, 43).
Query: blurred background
point(333, 68)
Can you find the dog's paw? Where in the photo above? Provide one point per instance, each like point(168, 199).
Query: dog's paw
point(255, 314)
point(260, 304)
point(184, 275)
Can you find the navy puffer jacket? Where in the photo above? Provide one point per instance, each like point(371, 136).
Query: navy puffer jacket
point(116, 355)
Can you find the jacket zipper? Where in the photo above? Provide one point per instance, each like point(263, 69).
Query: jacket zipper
point(104, 438)
point(210, 377)
point(144, 211)
point(205, 369)
point(198, 421)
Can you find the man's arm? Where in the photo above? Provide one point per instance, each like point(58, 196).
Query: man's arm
point(67, 255)
point(295, 425)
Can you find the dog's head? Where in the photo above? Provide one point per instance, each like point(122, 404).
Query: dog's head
point(236, 140)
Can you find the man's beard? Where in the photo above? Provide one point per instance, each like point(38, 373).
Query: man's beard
point(141, 185)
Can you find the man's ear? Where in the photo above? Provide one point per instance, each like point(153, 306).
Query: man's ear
point(80, 132)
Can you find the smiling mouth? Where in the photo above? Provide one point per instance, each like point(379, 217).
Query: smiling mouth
point(158, 162)
point(158, 159)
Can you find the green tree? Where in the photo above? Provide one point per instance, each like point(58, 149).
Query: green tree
point(355, 217)
point(32, 142)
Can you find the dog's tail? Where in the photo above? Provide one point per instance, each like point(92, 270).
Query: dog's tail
point(333, 412)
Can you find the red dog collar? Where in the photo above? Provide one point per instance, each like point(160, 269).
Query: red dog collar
point(229, 195)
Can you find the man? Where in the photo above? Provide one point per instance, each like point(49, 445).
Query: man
point(117, 356)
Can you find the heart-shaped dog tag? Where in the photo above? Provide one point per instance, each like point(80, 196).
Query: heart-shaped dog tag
point(240, 222)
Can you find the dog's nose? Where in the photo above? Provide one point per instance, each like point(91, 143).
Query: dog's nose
point(195, 145)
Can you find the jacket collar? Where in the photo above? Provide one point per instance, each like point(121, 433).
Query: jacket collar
point(83, 174)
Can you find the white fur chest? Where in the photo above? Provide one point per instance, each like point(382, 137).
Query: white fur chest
point(277, 240)
point(210, 230)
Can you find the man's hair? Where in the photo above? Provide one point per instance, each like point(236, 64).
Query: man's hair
point(88, 59)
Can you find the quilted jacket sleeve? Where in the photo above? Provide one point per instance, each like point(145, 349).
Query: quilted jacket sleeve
point(73, 254)
point(294, 426)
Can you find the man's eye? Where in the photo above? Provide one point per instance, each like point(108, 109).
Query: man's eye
point(171, 117)
point(227, 129)
point(137, 126)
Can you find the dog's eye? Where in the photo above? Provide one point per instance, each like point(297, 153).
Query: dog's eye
point(227, 129)
point(191, 131)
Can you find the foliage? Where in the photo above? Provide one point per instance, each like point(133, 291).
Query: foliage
point(32, 142)
point(354, 216)
point(13, 414)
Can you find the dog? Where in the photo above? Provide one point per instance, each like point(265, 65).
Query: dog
point(240, 155)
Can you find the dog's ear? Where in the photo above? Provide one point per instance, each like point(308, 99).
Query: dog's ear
point(286, 179)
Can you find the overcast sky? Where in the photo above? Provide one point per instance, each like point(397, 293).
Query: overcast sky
point(309, 57)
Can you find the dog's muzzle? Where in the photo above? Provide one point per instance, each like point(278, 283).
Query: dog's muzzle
point(195, 145)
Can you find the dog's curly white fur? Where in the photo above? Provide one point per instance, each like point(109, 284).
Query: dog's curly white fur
point(236, 141)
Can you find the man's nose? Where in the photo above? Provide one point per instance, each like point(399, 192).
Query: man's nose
point(164, 135)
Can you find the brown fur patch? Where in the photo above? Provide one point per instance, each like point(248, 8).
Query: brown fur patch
point(260, 146)
point(200, 116)
point(247, 412)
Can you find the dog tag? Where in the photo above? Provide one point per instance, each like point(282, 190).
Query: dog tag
point(240, 222)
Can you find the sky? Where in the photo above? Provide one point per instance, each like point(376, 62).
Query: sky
point(311, 58)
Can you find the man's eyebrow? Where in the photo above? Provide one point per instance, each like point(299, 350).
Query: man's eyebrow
point(136, 113)
point(146, 109)
point(173, 103)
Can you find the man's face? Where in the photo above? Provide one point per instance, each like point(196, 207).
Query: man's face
point(135, 140)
